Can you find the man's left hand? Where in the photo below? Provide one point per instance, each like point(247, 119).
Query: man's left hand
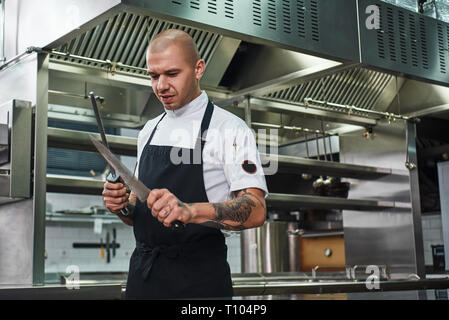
point(167, 208)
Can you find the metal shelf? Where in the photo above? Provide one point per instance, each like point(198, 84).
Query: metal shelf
point(295, 202)
point(73, 184)
point(79, 140)
point(291, 164)
point(82, 185)
point(63, 217)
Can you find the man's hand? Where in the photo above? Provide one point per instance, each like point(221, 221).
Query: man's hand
point(115, 197)
point(167, 208)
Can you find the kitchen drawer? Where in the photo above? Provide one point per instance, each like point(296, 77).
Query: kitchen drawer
point(323, 251)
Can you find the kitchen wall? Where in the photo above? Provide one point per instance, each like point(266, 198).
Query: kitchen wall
point(60, 237)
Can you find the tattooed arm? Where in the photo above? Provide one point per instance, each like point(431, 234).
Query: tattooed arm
point(247, 210)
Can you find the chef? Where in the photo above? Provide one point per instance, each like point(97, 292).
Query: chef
point(202, 165)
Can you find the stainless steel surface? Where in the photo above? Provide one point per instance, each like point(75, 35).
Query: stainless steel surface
point(266, 284)
point(82, 115)
point(40, 168)
point(386, 237)
point(443, 175)
point(328, 168)
point(127, 146)
point(16, 243)
point(405, 43)
point(289, 108)
point(432, 111)
point(355, 86)
point(61, 183)
point(219, 61)
point(79, 140)
point(298, 26)
point(246, 287)
point(412, 166)
point(273, 85)
point(123, 39)
point(270, 249)
point(18, 116)
point(98, 74)
point(25, 225)
point(88, 291)
point(74, 184)
point(293, 202)
point(134, 184)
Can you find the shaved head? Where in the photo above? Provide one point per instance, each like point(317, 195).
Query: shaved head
point(175, 68)
point(174, 37)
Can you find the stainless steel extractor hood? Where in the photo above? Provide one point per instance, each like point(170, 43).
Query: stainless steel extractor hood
point(289, 50)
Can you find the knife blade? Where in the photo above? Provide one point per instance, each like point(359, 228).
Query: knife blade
point(134, 184)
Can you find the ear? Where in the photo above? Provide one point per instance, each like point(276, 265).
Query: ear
point(199, 69)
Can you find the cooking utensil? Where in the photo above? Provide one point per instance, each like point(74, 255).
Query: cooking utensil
point(112, 176)
point(134, 184)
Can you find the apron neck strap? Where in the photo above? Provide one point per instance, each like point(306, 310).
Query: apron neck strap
point(155, 127)
point(204, 125)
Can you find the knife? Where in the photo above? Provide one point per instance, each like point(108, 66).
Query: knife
point(134, 184)
point(112, 176)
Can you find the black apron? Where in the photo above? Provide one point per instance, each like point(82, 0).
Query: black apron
point(176, 264)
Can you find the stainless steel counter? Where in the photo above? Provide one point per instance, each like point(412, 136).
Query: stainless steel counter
point(297, 286)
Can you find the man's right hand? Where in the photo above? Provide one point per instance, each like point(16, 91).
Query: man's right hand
point(115, 196)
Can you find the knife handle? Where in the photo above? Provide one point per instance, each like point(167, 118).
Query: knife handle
point(177, 225)
point(115, 178)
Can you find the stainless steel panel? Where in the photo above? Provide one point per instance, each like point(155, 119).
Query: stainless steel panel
point(219, 61)
point(292, 202)
point(335, 169)
point(69, 184)
point(16, 243)
point(297, 282)
point(17, 220)
point(79, 140)
point(405, 43)
point(108, 40)
point(354, 83)
point(386, 237)
point(18, 116)
point(309, 25)
point(40, 168)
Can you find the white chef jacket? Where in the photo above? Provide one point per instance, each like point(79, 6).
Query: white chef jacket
point(231, 160)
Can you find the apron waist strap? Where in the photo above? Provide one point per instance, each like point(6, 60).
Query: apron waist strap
point(150, 254)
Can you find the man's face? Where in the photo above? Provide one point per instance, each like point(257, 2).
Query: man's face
point(174, 79)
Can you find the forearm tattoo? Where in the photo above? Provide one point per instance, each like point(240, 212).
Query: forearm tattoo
point(238, 210)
